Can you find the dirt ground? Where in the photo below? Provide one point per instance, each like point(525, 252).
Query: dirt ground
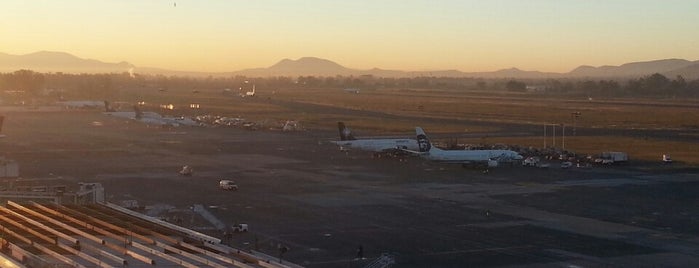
point(300, 191)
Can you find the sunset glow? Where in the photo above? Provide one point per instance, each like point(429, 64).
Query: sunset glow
point(190, 35)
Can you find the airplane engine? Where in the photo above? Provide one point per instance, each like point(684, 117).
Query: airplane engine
point(492, 163)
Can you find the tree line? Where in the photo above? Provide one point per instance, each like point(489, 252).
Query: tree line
point(654, 86)
point(107, 86)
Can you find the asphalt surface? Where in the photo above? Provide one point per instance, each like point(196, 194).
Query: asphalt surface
point(299, 191)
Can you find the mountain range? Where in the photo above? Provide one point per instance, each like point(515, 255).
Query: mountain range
point(46, 61)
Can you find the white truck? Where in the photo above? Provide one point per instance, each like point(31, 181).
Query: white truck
point(534, 161)
point(531, 161)
point(609, 158)
point(239, 228)
point(667, 159)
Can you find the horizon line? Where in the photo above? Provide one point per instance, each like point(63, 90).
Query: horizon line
point(335, 62)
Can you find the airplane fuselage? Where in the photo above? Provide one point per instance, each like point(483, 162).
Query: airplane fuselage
point(152, 118)
point(379, 145)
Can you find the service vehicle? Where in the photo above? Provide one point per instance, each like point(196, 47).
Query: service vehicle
point(228, 185)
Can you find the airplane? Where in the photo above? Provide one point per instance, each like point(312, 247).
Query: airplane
point(490, 158)
point(347, 140)
point(352, 90)
point(249, 93)
point(82, 104)
point(151, 118)
point(2, 119)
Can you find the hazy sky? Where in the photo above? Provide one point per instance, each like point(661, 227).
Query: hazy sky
point(228, 35)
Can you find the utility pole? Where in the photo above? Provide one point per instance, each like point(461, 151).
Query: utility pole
point(563, 126)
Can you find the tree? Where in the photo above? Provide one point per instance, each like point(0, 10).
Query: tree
point(513, 85)
point(481, 85)
point(657, 83)
point(678, 86)
point(28, 81)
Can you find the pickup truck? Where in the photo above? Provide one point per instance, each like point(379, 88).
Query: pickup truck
point(239, 228)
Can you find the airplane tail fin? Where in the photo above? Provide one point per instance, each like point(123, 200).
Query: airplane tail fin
point(423, 142)
point(139, 114)
point(345, 133)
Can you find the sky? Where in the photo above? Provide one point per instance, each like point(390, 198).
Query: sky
point(411, 35)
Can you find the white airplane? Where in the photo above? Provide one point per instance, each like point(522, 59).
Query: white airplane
point(2, 119)
point(249, 93)
point(490, 158)
point(347, 140)
point(152, 118)
point(83, 104)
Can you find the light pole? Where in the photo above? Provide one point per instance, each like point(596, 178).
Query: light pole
point(553, 126)
point(573, 116)
point(553, 135)
point(544, 135)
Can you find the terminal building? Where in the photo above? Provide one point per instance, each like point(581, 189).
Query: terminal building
point(44, 226)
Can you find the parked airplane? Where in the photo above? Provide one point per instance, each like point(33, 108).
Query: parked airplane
point(352, 90)
point(2, 119)
point(249, 93)
point(347, 140)
point(490, 158)
point(152, 118)
point(83, 104)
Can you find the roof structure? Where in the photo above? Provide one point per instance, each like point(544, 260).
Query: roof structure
point(105, 235)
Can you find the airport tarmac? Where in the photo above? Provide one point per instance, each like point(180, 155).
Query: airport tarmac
point(299, 191)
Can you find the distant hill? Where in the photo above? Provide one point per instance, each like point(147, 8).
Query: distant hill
point(515, 73)
point(302, 66)
point(46, 61)
point(690, 72)
point(321, 67)
point(635, 69)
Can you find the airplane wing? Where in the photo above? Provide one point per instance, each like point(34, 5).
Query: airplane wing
point(413, 152)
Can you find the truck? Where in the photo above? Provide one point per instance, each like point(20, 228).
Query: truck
point(667, 159)
point(534, 161)
point(531, 161)
point(609, 158)
point(239, 228)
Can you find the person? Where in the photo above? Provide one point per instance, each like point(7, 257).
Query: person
point(282, 250)
point(360, 252)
